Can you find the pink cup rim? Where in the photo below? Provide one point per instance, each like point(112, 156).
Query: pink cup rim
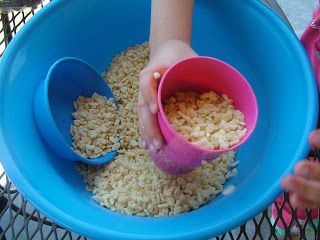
point(197, 147)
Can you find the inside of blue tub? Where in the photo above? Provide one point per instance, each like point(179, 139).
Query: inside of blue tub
point(245, 34)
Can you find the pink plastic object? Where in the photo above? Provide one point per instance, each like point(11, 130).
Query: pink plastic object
point(200, 74)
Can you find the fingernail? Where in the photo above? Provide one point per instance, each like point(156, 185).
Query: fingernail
point(152, 148)
point(153, 107)
point(157, 144)
point(302, 169)
point(143, 144)
point(295, 201)
point(316, 139)
point(284, 181)
point(289, 183)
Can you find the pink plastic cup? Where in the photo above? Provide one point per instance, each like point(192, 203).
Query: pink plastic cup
point(200, 74)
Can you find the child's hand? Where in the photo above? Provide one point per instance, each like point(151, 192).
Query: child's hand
point(304, 185)
point(166, 54)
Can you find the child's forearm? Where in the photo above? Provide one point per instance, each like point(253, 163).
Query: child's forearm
point(170, 19)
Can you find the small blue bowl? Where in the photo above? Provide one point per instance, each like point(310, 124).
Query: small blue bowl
point(67, 79)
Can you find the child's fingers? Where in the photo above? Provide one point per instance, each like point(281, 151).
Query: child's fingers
point(148, 108)
point(309, 170)
point(309, 189)
point(141, 126)
point(149, 129)
point(298, 201)
point(148, 89)
point(314, 138)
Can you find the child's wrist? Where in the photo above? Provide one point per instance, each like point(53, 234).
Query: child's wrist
point(154, 46)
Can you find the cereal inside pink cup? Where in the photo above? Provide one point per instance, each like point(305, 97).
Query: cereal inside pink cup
point(206, 108)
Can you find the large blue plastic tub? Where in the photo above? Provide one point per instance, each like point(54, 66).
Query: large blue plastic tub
point(246, 34)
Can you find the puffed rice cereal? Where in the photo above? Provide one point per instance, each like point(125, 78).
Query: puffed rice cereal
point(95, 126)
point(206, 119)
point(131, 183)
